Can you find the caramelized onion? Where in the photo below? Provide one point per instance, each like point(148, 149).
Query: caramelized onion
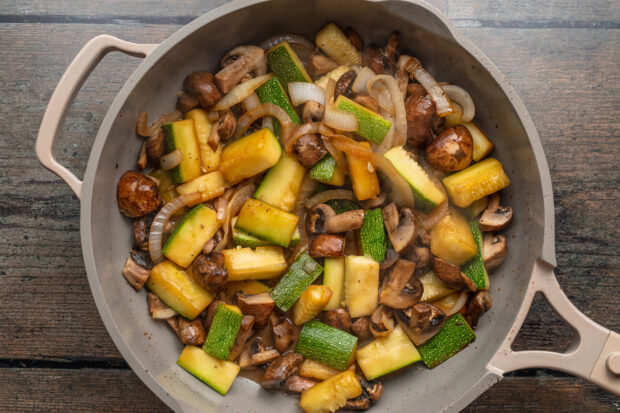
point(398, 106)
point(460, 96)
point(234, 205)
point(240, 92)
point(325, 196)
point(145, 131)
point(338, 156)
point(335, 118)
point(262, 110)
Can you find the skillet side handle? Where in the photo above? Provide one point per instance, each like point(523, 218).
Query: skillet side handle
point(594, 355)
point(70, 83)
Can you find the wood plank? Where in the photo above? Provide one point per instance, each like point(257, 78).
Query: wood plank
point(86, 390)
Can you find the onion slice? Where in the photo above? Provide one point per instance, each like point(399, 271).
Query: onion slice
point(170, 160)
point(268, 123)
point(435, 216)
point(337, 154)
point(302, 92)
point(334, 118)
point(145, 131)
point(164, 214)
point(240, 92)
point(325, 196)
point(452, 303)
point(398, 105)
point(460, 96)
point(234, 205)
point(307, 188)
point(309, 128)
point(262, 110)
point(251, 102)
point(436, 93)
point(360, 85)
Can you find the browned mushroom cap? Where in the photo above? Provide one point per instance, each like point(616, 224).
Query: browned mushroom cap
point(158, 309)
point(338, 318)
point(284, 334)
point(381, 321)
point(401, 227)
point(479, 304)
point(420, 255)
point(422, 118)
point(317, 217)
point(186, 102)
point(137, 194)
point(208, 274)
point(327, 245)
point(367, 101)
point(258, 305)
point(245, 332)
point(421, 322)
point(347, 221)
point(354, 38)
point(495, 217)
point(375, 59)
point(494, 249)
point(135, 272)
point(451, 150)
point(400, 288)
point(319, 64)
point(312, 112)
point(200, 86)
point(223, 130)
point(155, 147)
point(281, 369)
point(361, 328)
point(452, 276)
point(189, 332)
point(309, 149)
point(237, 63)
point(297, 384)
point(141, 229)
point(344, 83)
point(371, 393)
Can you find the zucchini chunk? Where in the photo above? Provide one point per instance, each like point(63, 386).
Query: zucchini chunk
point(246, 240)
point(223, 331)
point(250, 155)
point(209, 158)
point(218, 374)
point(272, 92)
point(331, 394)
point(426, 194)
point(475, 269)
point(327, 171)
point(372, 235)
point(361, 285)
point(281, 183)
point(327, 345)
point(259, 264)
point(310, 303)
point(387, 354)
point(363, 176)
point(286, 65)
point(267, 222)
point(332, 40)
point(333, 277)
point(452, 240)
point(475, 182)
point(178, 290)
point(166, 187)
point(453, 337)
point(181, 135)
point(210, 185)
point(190, 235)
point(370, 125)
point(299, 276)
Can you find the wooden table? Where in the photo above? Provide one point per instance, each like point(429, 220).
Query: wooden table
point(55, 354)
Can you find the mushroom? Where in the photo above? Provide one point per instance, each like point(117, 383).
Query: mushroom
point(391, 257)
point(494, 249)
point(217, 258)
point(200, 86)
point(281, 369)
point(401, 227)
point(338, 318)
point(141, 229)
point(259, 305)
point(495, 217)
point(381, 321)
point(134, 272)
point(420, 255)
point(137, 195)
point(367, 101)
point(374, 202)
point(211, 313)
point(354, 38)
point(223, 130)
point(416, 89)
point(312, 112)
point(189, 332)
point(158, 309)
point(371, 393)
point(142, 158)
point(327, 245)
point(390, 50)
point(451, 150)
point(186, 102)
point(319, 64)
point(208, 274)
point(283, 334)
point(256, 354)
point(375, 59)
point(317, 217)
point(400, 288)
point(361, 328)
point(479, 304)
point(245, 332)
point(452, 276)
point(424, 237)
point(237, 63)
point(347, 221)
point(344, 83)
point(421, 322)
point(422, 118)
point(297, 384)
point(155, 146)
point(309, 149)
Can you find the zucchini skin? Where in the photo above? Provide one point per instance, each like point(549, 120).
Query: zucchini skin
point(372, 235)
point(223, 332)
point(453, 337)
point(299, 276)
point(475, 269)
point(326, 344)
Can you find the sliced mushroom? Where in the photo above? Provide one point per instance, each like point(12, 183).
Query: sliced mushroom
point(237, 63)
point(186, 102)
point(375, 59)
point(256, 354)
point(317, 217)
point(381, 321)
point(189, 332)
point(354, 38)
point(297, 384)
point(142, 158)
point(200, 85)
point(208, 274)
point(495, 217)
point(281, 369)
point(338, 318)
point(494, 249)
point(137, 195)
point(424, 237)
point(312, 112)
point(327, 245)
point(258, 305)
point(319, 64)
point(344, 83)
point(309, 149)
point(391, 257)
point(479, 304)
point(347, 221)
point(451, 150)
point(401, 227)
point(284, 334)
point(361, 328)
point(141, 230)
point(155, 147)
point(390, 51)
point(390, 217)
point(367, 101)
point(158, 309)
point(371, 393)
point(452, 276)
point(264, 357)
point(211, 313)
point(135, 274)
point(400, 288)
point(245, 332)
point(421, 322)
point(223, 129)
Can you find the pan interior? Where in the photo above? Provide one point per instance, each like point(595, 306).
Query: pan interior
point(153, 345)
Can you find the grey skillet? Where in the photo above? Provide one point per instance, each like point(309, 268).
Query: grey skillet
point(595, 355)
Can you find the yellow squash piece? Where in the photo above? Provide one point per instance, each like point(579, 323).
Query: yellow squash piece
point(333, 277)
point(331, 394)
point(250, 155)
point(452, 240)
point(260, 264)
point(281, 183)
point(219, 374)
point(475, 182)
point(482, 145)
point(178, 290)
point(363, 176)
point(267, 222)
point(332, 40)
point(246, 287)
point(310, 303)
point(181, 135)
point(361, 285)
point(315, 370)
point(210, 186)
point(209, 158)
point(433, 287)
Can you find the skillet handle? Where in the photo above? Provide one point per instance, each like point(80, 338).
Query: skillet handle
point(594, 355)
point(70, 83)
